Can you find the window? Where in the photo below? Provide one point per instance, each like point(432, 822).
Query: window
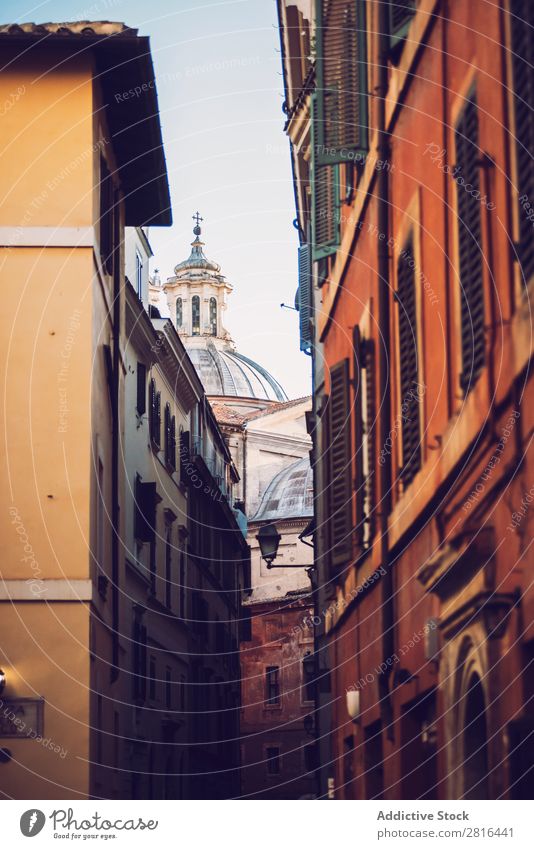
point(106, 217)
point(340, 131)
point(153, 565)
point(100, 520)
point(182, 692)
point(364, 436)
point(168, 568)
point(272, 757)
point(195, 315)
point(139, 275)
point(179, 312)
point(304, 299)
point(139, 640)
point(155, 414)
point(170, 438)
point(152, 676)
point(466, 174)
point(182, 585)
point(522, 53)
point(168, 687)
point(340, 483)
point(141, 389)
point(272, 685)
point(408, 365)
point(213, 316)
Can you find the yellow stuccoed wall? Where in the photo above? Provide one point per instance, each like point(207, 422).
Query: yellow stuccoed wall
point(46, 352)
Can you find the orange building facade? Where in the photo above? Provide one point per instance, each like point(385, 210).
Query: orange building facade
point(413, 178)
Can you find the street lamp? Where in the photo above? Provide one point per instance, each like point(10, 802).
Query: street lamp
point(269, 539)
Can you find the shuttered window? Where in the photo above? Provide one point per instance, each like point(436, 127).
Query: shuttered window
point(466, 174)
point(305, 298)
point(170, 438)
point(522, 28)
point(400, 15)
point(141, 389)
point(325, 203)
point(409, 365)
point(155, 414)
point(340, 465)
point(364, 437)
point(341, 81)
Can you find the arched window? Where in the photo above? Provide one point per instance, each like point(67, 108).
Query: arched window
point(213, 316)
point(179, 312)
point(195, 315)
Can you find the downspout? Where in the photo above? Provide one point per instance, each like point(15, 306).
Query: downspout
point(388, 613)
point(115, 459)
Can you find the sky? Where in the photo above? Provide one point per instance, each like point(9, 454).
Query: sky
point(220, 89)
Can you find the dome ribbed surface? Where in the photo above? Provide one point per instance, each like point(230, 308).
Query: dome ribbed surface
point(289, 495)
point(229, 373)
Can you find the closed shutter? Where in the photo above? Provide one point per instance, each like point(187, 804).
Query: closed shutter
point(469, 245)
point(145, 511)
point(325, 510)
point(167, 433)
point(340, 465)
point(400, 15)
point(152, 410)
point(172, 449)
point(364, 437)
point(325, 203)
point(184, 457)
point(409, 366)
point(522, 27)
point(305, 298)
point(341, 81)
point(141, 389)
point(157, 420)
point(370, 423)
point(358, 433)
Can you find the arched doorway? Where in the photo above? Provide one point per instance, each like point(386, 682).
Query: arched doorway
point(475, 742)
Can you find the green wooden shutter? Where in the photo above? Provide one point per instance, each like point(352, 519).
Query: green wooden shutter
point(340, 465)
point(522, 27)
point(469, 244)
point(401, 13)
point(409, 366)
point(325, 202)
point(341, 81)
point(305, 295)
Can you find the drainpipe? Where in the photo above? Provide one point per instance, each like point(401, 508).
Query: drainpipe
point(115, 459)
point(388, 613)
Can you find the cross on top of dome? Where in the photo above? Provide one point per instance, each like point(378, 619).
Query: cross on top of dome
point(196, 217)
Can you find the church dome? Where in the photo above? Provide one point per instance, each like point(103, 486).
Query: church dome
point(197, 299)
point(289, 495)
point(196, 259)
point(226, 372)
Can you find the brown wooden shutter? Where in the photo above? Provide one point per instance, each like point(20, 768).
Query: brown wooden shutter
point(409, 366)
point(324, 493)
point(469, 245)
point(340, 465)
point(522, 28)
point(368, 361)
point(358, 433)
